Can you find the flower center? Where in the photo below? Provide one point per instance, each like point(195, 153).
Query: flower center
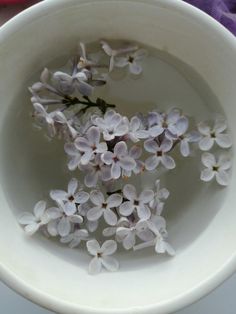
point(164, 124)
point(136, 203)
point(159, 154)
point(104, 205)
point(115, 159)
point(71, 198)
point(213, 135)
point(131, 59)
point(215, 168)
point(99, 254)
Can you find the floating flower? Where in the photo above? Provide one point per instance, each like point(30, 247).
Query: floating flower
point(159, 154)
point(136, 130)
point(214, 135)
point(102, 256)
point(135, 153)
point(135, 202)
point(118, 160)
point(132, 60)
point(74, 239)
point(104, 207)
point(74, 154)
point(160, 196)
point(34, 221)
point(216, 168)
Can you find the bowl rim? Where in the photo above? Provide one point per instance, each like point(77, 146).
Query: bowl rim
point(60, 306)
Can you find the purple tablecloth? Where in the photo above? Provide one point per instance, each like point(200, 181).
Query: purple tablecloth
point(223, 11)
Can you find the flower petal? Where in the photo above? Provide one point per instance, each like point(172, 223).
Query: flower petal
point(207, 175)
point(182, 126)
point(166, 145)
point(72, 186)
point(146, 196)
point(84, 88)
point(52, 228)
point(115, 170)
point(97, 198)
point(110, 263)
point(91, 179)
point(224, 140)
point(114, 200)
point(127, 163)
point(94, 213)
point(152, 162)
point(135, 152)
point(64, 227)
point(143, 211)
point(155, 130)
point(121, 62)
point(58, 195)
point(220, 126)
point(109, 247)
point(135, 123)
point(129, 192)
point(222, 177)
point(93, 247)
point(95, 266)
point(129, 241)
point(126, 208)
point(81, 197)
point(39, 209)
point(120, 149)
point(151, 146)
point(26, 218)
point(31, 228)
point(206, 143)
point(184, 148)
point(70, 149)
point(70, 208)
point(208, 160)
point(92, 225)
point(82, 144)
point(54, 212)
point(93, 135)
point(76, 219)
point(107, 158)
point(110, 217)
point(168, 162)
point(224, 162)
point(204, 129)
point(135, 68)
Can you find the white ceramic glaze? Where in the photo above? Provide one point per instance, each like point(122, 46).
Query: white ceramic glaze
point(205, 234)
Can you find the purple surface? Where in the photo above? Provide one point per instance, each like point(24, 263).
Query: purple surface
point(224, 11)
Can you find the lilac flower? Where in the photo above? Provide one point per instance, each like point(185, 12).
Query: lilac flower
point(118, 160)
point(104, 207)
point(135, 153)
point(74, 154)
point(74, 239)
point(111, 125)
point(214, 135)
point(112, 53)
point(132, 60)
point(90, 145)
point(136, 130)
point(111, 231)
point(95, 171)
point(135, 202)
point(68, 129)
point(48, 118)
point(157, 225)
point(102, 256)
point(185, 140)
point(71, 198)
point(159, 154)
point(84, 62)
point(216, 168)
point(34, 221)
point(61, 222)
point(160, 196)
point(127, 235)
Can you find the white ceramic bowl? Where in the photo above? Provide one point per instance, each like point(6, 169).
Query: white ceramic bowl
point(204, 234)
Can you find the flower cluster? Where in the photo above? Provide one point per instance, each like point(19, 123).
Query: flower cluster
point(105, 147)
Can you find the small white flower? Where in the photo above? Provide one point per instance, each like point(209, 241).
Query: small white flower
point(84, 62)
point(102, 256)
point(90, 145)
point(216, 168)
point(118, 160)
point(34, 221)
point(214, 135)
point(135, 152)
point(74, 239)
point(136, 130)
point(41, 112)
point(159, 154)
point(127, 234)
point(185, 140)
point(104, 207)
point(68, 129)
point(157, 225)
point(132, 60)
point(61, 223)
point(135, 202)
point(112, 125)
point(112, 53)
point(160, 196)
point(74, 154)
point(95, 171)
point(110, 231)
point(72, 199)
point(68, 84)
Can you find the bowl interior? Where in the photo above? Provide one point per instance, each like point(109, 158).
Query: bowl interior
point(196, 72)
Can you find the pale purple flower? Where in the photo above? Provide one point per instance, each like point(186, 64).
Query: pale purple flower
point(61, 223)
point(95, 171)
point(118, 160)
point(136, 130)
point(185, 140)
point(214, 135)
point(132, 61)
point(216, 168)
point(90, 145)
point(159, 154)
point(161, 195)
point(33, 221)
point(112, 53)
point(136, 202)
point(74, 239)
point(111, 125)
point(157, 225)
point(48, 118)
point(111, 231)
point(135, 152)
point(74, 154)
point(104, 207)
point(102, 256)
point(127, 234)
point(71, 197)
